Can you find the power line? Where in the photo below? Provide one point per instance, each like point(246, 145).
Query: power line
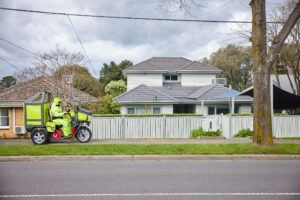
point(10, 64)
point(78, 38)
point(31, 52)
point(132, 18)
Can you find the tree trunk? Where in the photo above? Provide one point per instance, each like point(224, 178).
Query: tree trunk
point(262, 63)
point(261, 76)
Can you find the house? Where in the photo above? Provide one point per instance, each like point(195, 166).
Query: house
point(12, 99)
point(170, 85)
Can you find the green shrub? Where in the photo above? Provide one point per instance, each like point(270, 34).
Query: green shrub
point(243, 133)
point(147, 115)
point(200, 132)
point(281, 114)
point(240, 114)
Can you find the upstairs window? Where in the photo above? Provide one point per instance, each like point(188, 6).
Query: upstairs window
point(171, 78)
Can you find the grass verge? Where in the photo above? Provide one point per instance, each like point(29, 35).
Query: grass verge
point(160, 149)
point(289, 138)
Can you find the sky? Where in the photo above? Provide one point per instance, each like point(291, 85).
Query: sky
point(107, 40)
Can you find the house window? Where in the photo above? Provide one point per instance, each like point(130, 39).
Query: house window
point(4, 118)
point(130, 110)
point(156, 110)
point(171, 78)
point(211, 110)
point(143, 110)
point(216, 110)
point(222, 110)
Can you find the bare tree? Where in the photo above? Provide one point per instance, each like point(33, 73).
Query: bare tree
point(262, 65)
point(288, 61)
point(48, 63)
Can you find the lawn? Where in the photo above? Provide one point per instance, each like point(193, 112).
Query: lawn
point(162, 149)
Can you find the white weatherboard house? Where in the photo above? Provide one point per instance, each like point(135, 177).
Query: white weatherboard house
point(171, 85)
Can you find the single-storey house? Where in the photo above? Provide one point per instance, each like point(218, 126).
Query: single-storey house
point(171, 85)
point(12, 99)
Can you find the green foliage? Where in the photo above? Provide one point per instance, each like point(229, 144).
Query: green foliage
point(251, 114)
point(147, 115)
point(236, 65)
point(281, 114)
point(82, 79)
point(243, 133)
point(115, 88)
point(88, 84)
point(200, 132)
point(7, 81)
point(106, 105)
point(113, 72)
point(240, 114)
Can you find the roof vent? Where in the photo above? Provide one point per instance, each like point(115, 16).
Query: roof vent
point(221, 81)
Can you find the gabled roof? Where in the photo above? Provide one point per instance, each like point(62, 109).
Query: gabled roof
point(175, 93)
point(143, 93)
point(195, 65)
point(170, 64)
point(22, 91)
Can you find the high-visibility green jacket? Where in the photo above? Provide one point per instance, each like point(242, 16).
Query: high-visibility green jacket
point(56, 109)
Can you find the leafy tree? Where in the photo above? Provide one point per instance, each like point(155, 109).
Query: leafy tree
point(115, 88)
point(236, 65)
point(106, 105)
point(113, 72)
point(80, 78)
point(7, 81)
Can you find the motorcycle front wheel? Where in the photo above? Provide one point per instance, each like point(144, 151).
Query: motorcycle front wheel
point(84, 134)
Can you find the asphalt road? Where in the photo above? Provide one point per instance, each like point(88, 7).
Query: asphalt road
point(150, 180)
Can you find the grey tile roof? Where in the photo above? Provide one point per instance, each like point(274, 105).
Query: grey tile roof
point(174, 92)
point(22, 91)
point(170, 64)
point(145, 65)
point(143, 93)
point(195, 65)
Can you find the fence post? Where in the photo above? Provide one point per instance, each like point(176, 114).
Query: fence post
point(123, 126)
point(230, 126)
point(164, 126)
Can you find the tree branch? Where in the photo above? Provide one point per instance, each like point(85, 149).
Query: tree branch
point(280, 38)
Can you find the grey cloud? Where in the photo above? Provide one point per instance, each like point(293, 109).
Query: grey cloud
point(38, 32)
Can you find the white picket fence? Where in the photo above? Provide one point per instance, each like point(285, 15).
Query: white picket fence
point(180, 127)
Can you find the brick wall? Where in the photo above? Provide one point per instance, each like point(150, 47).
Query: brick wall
point(19, 121)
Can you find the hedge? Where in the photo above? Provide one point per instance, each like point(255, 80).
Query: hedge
point(251, 114)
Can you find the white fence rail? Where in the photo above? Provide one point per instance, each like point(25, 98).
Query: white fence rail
point(180, 127)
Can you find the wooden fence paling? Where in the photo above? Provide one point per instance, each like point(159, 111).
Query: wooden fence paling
point(180, 127)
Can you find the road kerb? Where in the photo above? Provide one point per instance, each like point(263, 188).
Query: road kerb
point(149, 157)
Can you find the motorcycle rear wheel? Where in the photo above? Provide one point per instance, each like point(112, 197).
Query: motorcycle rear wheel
point(84, 134)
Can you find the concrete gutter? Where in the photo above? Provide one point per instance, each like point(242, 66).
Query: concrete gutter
point(150, 157)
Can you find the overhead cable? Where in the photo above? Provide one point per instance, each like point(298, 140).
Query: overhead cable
point(134, 18)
